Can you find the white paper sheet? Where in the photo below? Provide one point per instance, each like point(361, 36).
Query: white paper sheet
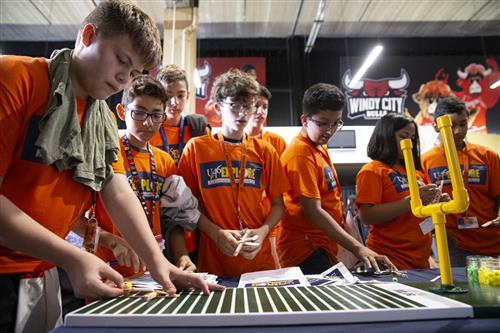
point(290, 276)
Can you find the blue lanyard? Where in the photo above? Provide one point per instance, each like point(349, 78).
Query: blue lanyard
point(164, 139)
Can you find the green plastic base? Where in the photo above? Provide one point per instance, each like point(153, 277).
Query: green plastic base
point(448, 289)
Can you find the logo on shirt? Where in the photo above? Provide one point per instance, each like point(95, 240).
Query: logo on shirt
point(150, 189)
point(400, 182)
point(439, 174)
point(330, 179)
point(477, 174)
point(214, 174)
point(173, 151)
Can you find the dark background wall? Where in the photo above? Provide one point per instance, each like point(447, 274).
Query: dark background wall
point(290, 71)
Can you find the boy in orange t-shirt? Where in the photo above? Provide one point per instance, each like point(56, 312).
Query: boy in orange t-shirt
point(177, 128)
point(477, 231)
point(383, 198)
point(255, 128)
point(231, 198)
point(48, 146)
point(147, 168)
point(313, 221)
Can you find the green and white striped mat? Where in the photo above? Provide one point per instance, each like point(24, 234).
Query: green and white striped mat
point(271, 306)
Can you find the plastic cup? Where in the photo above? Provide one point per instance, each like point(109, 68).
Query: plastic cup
point(472, 267)
point(489, 271)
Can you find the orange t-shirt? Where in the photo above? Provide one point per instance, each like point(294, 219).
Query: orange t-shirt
point(280, 145)
point(481, 174)
point(400, 239)
point(275, 140)
point(50, 197)
point(165, 167)
point(312, 175)
point(203, 166)
point(171, 146)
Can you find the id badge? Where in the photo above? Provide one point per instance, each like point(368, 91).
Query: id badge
point(92, 233)
point(426, 226)
point(467, 222)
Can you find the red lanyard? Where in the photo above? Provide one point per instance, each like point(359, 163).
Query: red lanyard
point(137, 182)
point(236, 189)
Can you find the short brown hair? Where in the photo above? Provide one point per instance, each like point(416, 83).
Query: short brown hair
point(236, 84)
point(118, 17)
point(322, 97)
point(143, 85)
point(172, 73)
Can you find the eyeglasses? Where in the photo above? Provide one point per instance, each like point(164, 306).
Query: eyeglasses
point(237, 108)
point(156, 117)
point(328, 126)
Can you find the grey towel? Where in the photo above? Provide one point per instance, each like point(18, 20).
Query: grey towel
point(89, 150)
point(179, 207)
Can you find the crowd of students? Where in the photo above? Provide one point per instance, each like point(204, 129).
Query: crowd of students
point(226, 203)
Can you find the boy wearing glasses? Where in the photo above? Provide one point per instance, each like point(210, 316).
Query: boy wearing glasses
point(234, 227)
point(178, 129)
point(313, 222)
point(147, 168)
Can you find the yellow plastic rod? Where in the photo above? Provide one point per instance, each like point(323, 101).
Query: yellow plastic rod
point(460, 201)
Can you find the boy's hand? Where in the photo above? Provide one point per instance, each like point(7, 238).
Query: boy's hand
point(493, 223)
point(428, 193)
point(227, 241)
point(91, 278)
point(444, 197)
point(185, 264)
point(167, 275)
point(250, 250)
point(372, 259)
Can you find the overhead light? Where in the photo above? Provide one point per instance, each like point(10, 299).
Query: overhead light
point(495, 85)
point(368, 62)
point(318, 21)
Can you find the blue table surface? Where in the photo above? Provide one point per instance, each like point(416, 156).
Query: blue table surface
point(473, 325)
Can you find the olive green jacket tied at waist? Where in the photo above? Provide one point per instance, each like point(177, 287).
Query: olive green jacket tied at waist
point(88, 150)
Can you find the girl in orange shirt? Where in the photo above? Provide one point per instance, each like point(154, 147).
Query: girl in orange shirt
point(383, 195)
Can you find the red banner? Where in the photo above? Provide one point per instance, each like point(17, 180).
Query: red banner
point(210, 68)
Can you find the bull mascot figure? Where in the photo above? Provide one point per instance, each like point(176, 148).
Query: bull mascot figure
point(429, 95)
point(475, 81)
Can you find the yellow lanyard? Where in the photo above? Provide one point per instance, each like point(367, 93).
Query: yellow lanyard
point(236, 189)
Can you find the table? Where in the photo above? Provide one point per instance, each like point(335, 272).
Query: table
point(489, 309)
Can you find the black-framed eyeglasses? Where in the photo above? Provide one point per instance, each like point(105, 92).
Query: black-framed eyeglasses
point(156, 117)
point(328, 126)
point(238, 107)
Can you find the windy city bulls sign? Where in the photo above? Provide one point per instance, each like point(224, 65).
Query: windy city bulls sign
point(371, 99)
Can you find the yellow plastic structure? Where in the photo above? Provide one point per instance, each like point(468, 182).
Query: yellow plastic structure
point(437, 211)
